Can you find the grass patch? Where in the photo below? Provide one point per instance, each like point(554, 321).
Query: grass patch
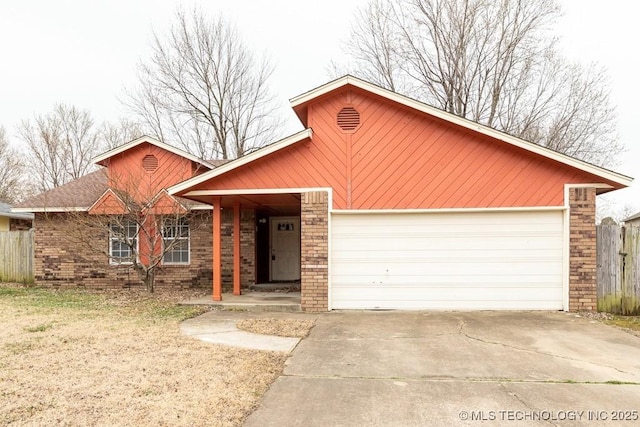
point(82, 357)
point(47, 298)
point(294, 328)
point(628, 322)
point(159, 310)
point(129, 303)
point(40, 328)
point(20, 347)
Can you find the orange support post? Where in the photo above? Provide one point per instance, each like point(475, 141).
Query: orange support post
point(217, 249)
point(236, 248)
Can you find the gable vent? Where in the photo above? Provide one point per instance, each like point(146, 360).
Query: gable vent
point(348, 119)
point(150, 163)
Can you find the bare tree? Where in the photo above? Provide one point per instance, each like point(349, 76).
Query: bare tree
point(114, 134)
point(493, 62)
point(11, 170)
point(144, 227)
point(608, 207)
point(203, 89)
point(373, 44)
point(140, 237)
point(60, 145)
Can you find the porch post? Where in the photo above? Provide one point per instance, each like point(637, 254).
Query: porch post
point(217, 249)
point(236, 248)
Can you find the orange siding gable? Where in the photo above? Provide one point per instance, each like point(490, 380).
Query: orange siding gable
point(167, 205)
point(108, 204)
point(399, 158)
point(127, 173)
point(305, 164)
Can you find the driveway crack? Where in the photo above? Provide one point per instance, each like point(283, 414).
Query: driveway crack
point(519, 399)
point(528, 350)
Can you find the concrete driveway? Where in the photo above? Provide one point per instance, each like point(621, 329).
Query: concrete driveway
point(457, 368)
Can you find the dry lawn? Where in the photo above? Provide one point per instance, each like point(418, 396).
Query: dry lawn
point(294, 328)
point(118, 359)
point(630, 324)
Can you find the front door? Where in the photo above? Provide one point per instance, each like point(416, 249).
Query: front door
point(285, 248)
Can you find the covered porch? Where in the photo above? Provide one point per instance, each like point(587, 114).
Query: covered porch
point(287, 244)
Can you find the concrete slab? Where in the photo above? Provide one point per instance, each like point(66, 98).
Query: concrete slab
point(293, 401)
point(252, 301)
point(426, 368)
point(220, 328)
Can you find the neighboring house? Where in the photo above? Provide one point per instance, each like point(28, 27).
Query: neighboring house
point(13, 221)
point(381, 202)
point(633, 220)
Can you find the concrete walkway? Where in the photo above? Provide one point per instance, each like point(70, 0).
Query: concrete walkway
point(220, 328)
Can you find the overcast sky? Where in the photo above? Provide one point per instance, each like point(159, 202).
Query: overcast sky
point(84, 53)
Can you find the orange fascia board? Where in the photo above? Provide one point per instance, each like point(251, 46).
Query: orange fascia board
point(108, 204)
point(183, 187)
point(300, 102)
point(100, 160)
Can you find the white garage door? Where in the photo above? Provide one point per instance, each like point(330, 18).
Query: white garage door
point(493, 260)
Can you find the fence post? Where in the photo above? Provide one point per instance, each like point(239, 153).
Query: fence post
point(630, 288)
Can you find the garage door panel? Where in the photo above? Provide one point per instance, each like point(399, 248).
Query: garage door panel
point(369, 279)
point(431, 266)
point(448, 297)
point(466, 245)
point(428, 245)
point(457, 261)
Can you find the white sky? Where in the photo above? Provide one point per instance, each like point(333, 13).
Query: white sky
point(84, 53)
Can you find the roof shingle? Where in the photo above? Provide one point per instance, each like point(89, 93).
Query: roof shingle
point(79, 193)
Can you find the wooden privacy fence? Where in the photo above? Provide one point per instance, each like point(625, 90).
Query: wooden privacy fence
point(618, 270)
point(16, 256)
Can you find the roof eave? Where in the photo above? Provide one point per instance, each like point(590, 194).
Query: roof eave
point(300, 101)
point(15, 215)
point(53, 209)
point(181, 188)
point(101, 159)
point(632, 217)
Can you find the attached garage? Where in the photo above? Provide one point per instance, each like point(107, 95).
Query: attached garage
point(459, 260)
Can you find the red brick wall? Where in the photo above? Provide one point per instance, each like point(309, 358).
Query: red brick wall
point(19, 224)
point(314, 253)
point(247, 249)
point(582, 249)
point(61, 259)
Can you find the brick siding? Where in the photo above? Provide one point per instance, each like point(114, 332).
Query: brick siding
point(20, 224)
point(247, 249)
point(582, 249)
point(314, 220)
point(62, 260)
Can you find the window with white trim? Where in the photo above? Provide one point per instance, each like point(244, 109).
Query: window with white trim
point(175, 241)
point(123, 237)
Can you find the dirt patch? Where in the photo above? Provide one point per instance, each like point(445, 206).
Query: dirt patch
point(118, 358)
point(295, 328)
